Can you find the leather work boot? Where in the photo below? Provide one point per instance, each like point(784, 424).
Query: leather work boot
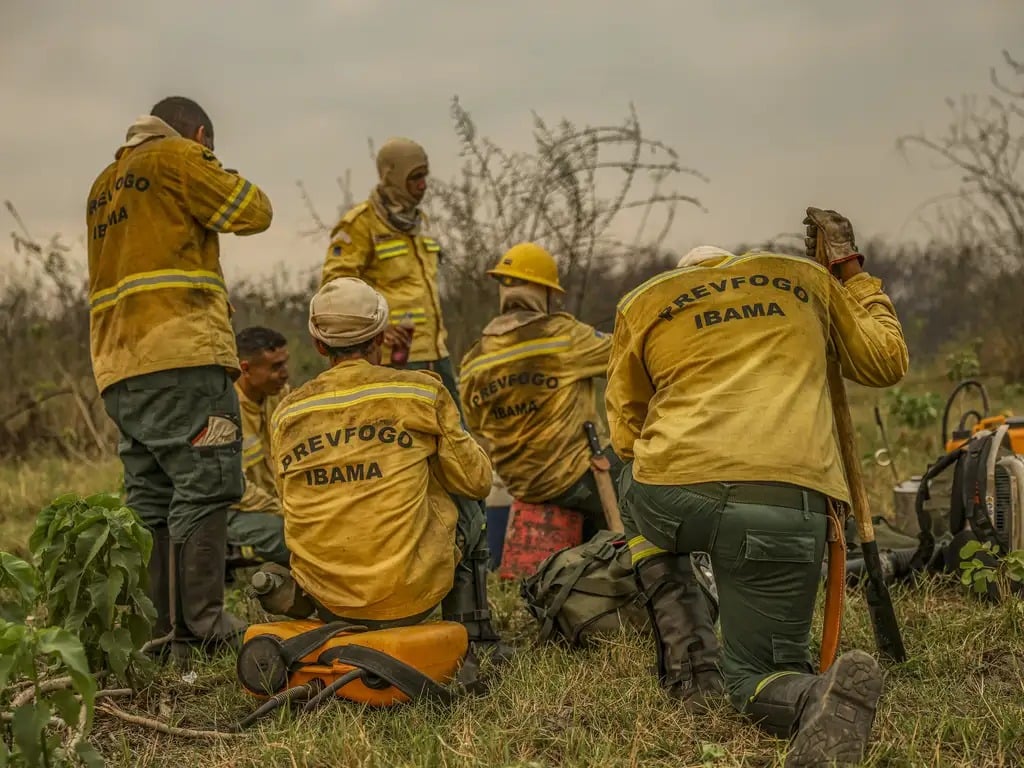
point(829, 716)
point(688, 650)
point(466, 603)
point(199, 591)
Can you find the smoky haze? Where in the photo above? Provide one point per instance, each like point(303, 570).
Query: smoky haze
point(781, 105)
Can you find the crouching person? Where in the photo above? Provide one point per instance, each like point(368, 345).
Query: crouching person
point(527, 387)
point(380, 485)
point(717, 392)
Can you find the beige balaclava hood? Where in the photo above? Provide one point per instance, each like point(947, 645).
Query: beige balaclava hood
point(346, 312)
point(395, 161)
point(701, 254)
point(144, 128)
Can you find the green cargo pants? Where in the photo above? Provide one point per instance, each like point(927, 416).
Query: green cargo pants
point(584, 497)
point(168, 481)
point(259, 536)
point(766, 543)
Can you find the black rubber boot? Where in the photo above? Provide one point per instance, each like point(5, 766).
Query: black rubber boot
point(467, 604)
point(829, 716)
point(160, 586)
point(202, 619)
point(688, 650)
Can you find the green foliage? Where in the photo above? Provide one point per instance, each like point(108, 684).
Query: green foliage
point(1000, 572)
point(19, 588)
point(30, 653)
point(914, 411)
point(962, 365)
point(92, 556)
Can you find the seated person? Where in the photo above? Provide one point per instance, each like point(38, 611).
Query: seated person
point(527, 387)
point(380, 484)
point(255, 525)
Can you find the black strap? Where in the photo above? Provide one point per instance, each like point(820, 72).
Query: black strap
point(295, 648)
point(926, 530)
point(405, 678)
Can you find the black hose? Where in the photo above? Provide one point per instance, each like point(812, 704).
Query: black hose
point(329, 691)
point(297, 693)
point(952, 396)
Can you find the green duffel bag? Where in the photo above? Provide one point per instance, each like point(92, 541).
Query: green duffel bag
point(586, 590)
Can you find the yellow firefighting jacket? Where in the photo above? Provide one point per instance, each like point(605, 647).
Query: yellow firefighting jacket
point(157, 298)
point(365, 459)
point(527, 388)
point(401, 266)
point(260, 484)
point(718, 371)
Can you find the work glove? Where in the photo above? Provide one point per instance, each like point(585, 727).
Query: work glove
point(837, 234)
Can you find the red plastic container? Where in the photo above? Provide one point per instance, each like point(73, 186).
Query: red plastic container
point(534, 532)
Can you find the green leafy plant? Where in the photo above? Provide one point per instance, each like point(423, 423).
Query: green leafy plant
point(982, 567)
point(29, 735)
point(963, 364)
point(914, 411)
point(92, 555)
point(19, 588)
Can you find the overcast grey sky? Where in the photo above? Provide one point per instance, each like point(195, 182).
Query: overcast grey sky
point(781, 104)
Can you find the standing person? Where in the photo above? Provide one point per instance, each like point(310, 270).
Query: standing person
point(717, 395)
point(255, 523)
point(163, 351)
point(527, 388)
point(385, 242)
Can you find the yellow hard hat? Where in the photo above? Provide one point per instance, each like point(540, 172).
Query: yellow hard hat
point(529, 262)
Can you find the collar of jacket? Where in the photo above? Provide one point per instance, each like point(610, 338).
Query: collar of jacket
point(510, 321)
point(244, 401)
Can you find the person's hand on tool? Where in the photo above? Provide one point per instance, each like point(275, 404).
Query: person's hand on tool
point(397, 336)
point(837, 237)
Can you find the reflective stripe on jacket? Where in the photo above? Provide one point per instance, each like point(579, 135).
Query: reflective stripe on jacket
point(528, 392)
point(718, 371)
point(402, 267)
point(157, 298)
point(365, 458)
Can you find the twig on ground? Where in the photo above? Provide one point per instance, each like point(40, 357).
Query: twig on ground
point(169, 730)
point(45, 686)
point(157, 642)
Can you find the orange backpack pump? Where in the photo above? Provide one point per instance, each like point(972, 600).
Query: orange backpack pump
point(307, 660)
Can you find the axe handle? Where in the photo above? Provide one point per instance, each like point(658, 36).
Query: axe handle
point(605, 488)
point(608, 502)
point(883, 616)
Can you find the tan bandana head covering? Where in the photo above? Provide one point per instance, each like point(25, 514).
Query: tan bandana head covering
point(522, 295)
point(346, 312)
point(395, 161)
point(144, 128)
point(701, 254)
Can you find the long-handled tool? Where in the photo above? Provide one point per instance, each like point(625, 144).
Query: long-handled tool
point(883, 615)
point(600, 466)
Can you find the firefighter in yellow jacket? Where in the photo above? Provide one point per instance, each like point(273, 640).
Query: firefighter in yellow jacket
point(255, 523)
point(717, 396)
point(527, 388)
point(377, 478)
point(163, 351)
point(387, 242)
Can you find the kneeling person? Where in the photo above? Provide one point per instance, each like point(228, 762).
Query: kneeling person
point(717, 394)
point(377, 479)
point(527, 387)
point(255, 524)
